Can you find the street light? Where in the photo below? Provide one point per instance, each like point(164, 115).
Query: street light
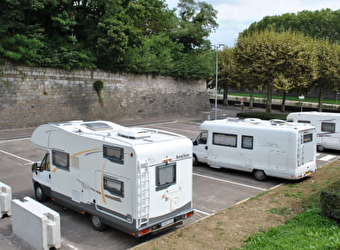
point(301, 97)
point(216, 80)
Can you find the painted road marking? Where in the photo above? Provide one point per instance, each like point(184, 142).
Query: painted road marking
point(230, 182)
point(16, 156)
point(327, 158)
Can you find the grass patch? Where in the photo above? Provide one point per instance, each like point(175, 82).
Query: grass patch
point(289, 98)
point(308, 230)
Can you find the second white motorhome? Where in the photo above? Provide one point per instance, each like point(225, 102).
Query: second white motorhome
point(134, 179)
point(327, 127)
point(264, 148)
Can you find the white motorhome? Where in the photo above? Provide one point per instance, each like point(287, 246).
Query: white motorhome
point(264, 148)
point(134, 179)
point(327, 126)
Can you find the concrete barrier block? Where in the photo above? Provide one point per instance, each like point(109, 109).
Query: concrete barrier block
point(35, 223)
point(5, 199)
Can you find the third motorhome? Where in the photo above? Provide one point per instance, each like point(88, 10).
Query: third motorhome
point(138, 180)
point(327, 127)
point(265, 148)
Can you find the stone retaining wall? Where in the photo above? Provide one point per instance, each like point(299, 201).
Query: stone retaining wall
point(32, 96)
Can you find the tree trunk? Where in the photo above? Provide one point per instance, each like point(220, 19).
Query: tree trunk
point(225, 96)
point(269, 98)
point(283, 104)
point(251, 99)
point(321, 91)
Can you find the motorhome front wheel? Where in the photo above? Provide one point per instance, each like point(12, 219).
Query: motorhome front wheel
point(39, 193)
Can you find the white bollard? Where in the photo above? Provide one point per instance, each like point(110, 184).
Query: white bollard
point(5, 199)
point(35, 223)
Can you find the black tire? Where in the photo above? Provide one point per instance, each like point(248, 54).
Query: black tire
point(97, 224)
point(320, 148)
point(194, 160)
point(39, 193)
point(260, 175)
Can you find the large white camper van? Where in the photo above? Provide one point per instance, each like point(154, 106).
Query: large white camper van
point(327, 127)
point(134, 179)
point(265, 148)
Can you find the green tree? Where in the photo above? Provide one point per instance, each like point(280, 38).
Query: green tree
point(227, 73)
point(141, 36)
point(322, 24)
point(272, 59)
point(196, 21)
point(328, 68)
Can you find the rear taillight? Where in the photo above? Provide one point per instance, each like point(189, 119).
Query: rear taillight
point(187, 215)
point(144, 231)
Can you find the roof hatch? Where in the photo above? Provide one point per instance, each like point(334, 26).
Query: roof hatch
point(134, 133)
point(97, 126)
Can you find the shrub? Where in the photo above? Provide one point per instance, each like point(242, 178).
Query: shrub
point(262, 115)
point(330, 201)
point(98, 86)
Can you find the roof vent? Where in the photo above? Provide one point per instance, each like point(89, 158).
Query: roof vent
point(253, 120)
point(277, 122)
point(134, 133)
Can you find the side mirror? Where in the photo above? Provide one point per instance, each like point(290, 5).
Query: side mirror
point(34, 167)
point(195, 143)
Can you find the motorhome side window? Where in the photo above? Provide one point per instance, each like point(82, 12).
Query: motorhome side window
point(247, 142)
point(114, 154)
point(227, 140)
point(114, 186)
point(165, 176)
point(328, 127)
point(61, 159)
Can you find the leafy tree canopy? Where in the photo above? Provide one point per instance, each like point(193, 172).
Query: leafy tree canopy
point(141, 36)
point(322, 24)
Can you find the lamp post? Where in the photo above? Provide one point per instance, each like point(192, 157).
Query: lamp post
point(301, 97)
point(216, 73)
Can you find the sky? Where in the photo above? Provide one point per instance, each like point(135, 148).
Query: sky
point(234, 16)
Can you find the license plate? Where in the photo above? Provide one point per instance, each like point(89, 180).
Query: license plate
point(166, 223)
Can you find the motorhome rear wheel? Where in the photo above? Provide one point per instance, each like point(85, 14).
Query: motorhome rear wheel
point(97, 224)
point(320, 148)
point(259, 175)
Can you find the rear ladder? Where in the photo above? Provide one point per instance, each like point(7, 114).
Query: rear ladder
point(143, 194)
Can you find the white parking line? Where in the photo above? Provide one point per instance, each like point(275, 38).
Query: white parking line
point(15, 156)
point(181, 130)
point(230, 182)
point(202, 212)
point(327, 158)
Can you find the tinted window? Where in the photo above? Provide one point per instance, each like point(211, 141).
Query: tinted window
point(165, 176)
point(247, 142)
point(228, 140)
point(60, 159)
point(114, 186)
point(328, 127)
point(114, 154)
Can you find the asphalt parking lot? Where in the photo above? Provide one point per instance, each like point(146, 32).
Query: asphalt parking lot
point(214, 189)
